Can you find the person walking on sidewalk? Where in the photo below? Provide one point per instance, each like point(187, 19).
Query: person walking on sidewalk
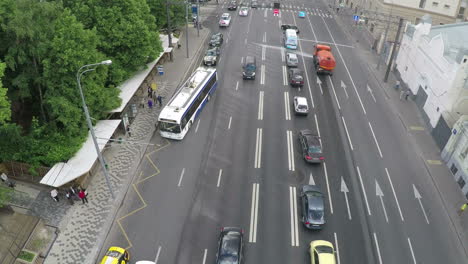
point(82, 194)
point(128, 131)
point(462, 208)
point(54, 195)
point(407, 94)
point(397, 85)
point(69, 197)
point(150, 103)
point(160, 100)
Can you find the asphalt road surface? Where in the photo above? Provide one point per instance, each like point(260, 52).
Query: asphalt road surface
point(240, 164)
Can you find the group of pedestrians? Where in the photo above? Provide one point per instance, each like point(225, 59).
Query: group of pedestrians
point(73, 193)
point(151, 97)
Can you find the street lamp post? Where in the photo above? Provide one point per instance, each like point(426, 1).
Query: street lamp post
point(79, 73)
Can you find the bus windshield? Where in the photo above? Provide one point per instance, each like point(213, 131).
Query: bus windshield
point(169, 127)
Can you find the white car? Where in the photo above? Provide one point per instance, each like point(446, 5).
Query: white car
point(300, 105)
point(244, 11)
point(225, 20)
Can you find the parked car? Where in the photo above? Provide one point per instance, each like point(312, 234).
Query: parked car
point(216, 40)
point(291, 60)
point(296, 77)
point(313, 209)
point(311, 146)
point(116, 255)
point(225, 20)
point(301, 107)
point(254, 4)
point(232, 6)
point(211, 57)
point(230, 246)
point(321, 252)
point(244, 11)
point(286, 26)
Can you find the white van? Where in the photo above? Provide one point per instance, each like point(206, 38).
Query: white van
point(301, 107)
point(290, 39)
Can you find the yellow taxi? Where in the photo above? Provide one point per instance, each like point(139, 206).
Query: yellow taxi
point(116, 255)
point(322, 252)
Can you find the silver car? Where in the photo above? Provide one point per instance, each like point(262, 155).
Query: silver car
point(291, 60)
point(244, 11)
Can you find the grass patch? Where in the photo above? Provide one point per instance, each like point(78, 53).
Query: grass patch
point(26, 256)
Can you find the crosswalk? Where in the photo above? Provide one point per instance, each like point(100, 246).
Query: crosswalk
point(285, 8)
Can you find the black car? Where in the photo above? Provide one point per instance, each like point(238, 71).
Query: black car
point(286, 26)
point(254, 4)
point(216, 40)
point(249, 68)
point(232, 6)
point(311, 146)
point(211, 57)
point(296, 77)
point(313, 209)
point(230, 246)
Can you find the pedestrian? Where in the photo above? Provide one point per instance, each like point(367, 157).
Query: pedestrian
point(142, 102)
point(150, 103)
point(160, 100)
point(69, 197)
point(337, 10)
point(462, 208)
point(82, 194)
point(154, 96)
point(402, 93)
point(128, 131)
point(54, 195)
point(150, 92)
point(397, 85)
point(73, 191)
point(407, 94)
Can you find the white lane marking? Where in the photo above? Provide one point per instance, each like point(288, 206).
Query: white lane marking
point(345, 191)
point(227, 40)
point(294, 220)
point(204, 256)
point(337, 248)
point(346, 67)
point(258, 149)
point(157, 255)
point(318, 129)
point(287, 109)
point(394, 194)
point(311, 179)
point(363, 190)
point(219, 177)
point(378, 249)
point(333, 88)
point(328, 187)
point(411, 249)
point(289, 140)
point(371, 93)
point(343, 85)
point(265, 14)
point(254, 214)
point(418, 196)
point(229, 125)
point(375, 139)
point(242, 60)
point(181, 177)
point(282, 54)
point(237, 85)
point(263, 52)
point(379, 193)
point(279, 23)
point(260, 106)
point(264, 37)
point(347, 133)
point(198, 124)
point(285, 76)
point(262, 75)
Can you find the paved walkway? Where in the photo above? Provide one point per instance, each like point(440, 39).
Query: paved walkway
point(84, 228)
point(437, 171)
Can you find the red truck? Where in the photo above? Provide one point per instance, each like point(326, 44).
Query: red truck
point(324, 61)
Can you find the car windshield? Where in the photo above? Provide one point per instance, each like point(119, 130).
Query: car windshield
point(316, 213)
point(169, 127)
point(113, 254)
point(250, 67)
point(226, 259)
point(225, 17)
point(210, 53)
point(315, 149)
point(324, 249)
point(302, 107)
point(244, 9)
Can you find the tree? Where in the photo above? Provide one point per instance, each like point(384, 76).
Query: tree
point(176, 13)
point(5, 196)
point(5, 111)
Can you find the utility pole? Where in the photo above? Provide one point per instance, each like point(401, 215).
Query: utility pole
point(186, 29)
point(198, 18)
point(169, 30)
point(395, 43)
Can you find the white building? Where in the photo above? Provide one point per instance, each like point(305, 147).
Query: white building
point(433, 63)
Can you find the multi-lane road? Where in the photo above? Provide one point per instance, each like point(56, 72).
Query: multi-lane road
point(240, 164)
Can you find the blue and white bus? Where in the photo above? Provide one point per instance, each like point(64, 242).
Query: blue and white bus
point(180, 113)
point(290, 39)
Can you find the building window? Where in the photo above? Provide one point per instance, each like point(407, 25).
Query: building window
point(461, 182)
point(422, 3)
point(417, 20)
point(464, 60)
point(461, 11)
point(453, 169)
point(435, 4)
point(446, 6)
point(463, 154)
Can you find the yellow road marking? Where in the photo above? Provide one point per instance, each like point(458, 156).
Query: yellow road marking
point(417, 128)
point(434, 162)
point(135, 187)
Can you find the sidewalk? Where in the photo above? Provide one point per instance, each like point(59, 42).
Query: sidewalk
point(84, 227)
point(409, 114)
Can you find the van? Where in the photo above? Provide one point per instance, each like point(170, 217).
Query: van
point(290, 39)
point(249, 68)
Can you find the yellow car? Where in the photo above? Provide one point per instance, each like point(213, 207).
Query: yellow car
point(322, 252)
point(116, 255)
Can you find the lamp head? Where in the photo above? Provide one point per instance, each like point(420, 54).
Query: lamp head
point(106, 62)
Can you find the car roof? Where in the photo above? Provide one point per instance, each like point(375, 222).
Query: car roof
point(297, 71)
point(292, 55)
point(301, 100)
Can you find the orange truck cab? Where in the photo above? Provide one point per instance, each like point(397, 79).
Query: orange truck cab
point(324, 61)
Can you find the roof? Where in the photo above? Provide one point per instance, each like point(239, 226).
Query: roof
point(130, 86)
point(65, 172)
point(455, 37)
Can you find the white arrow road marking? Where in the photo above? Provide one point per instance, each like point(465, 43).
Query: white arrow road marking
point(258, 149)
point(371, 93)
point(204, 256)
point(379, 193)
point(311, 179)
point(219, 177)
point(378, 249)
point(333, 88)
point(394, 194)
point(328, 187)
point(418, 196)
point(343, 85)
point(293, 211)
point(363, 190)
point(411, 249)
point(157, 255)
point(344, 190)
point(319, 82)
point(337, 248)
point(254, 214)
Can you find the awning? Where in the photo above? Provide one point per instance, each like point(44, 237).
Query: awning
point(65, 172)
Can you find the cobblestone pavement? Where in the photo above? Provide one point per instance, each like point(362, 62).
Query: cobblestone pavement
point(84, 228)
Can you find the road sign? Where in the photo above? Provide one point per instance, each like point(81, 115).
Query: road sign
point(160, 69)
point(454, 131)
point(356, 18)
